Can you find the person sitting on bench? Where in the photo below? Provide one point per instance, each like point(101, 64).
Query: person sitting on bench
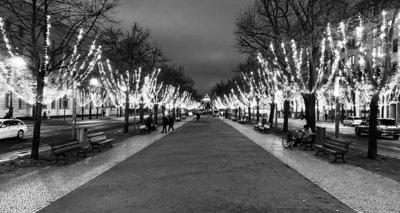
point(304, 134)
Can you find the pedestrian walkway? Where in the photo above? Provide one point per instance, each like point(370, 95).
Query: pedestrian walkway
point(33, 191)
point(362, 190)
point(204, 167)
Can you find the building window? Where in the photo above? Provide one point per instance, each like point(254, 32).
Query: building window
point(8, 101)
point(395, 45)
point(20, 31)
point(394, 67)
point(66, 102)
point(53, 104)
point(19, 103)
point(352, 60)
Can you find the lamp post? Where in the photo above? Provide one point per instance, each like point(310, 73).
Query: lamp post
point(337, 110)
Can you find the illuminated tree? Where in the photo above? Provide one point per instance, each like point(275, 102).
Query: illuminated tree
point(44, 37)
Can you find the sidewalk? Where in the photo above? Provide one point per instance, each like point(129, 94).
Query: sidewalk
point(33, 191)
point(362, 190)
point(206, 166)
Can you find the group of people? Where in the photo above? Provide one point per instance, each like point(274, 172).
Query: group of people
point(166, 121)
point(300, 135)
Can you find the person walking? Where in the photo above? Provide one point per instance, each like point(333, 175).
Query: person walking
point(171, 123)
point(198, 116)
point(149, 122)
point(164, 124)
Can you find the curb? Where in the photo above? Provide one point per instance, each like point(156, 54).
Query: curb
point(10, 156)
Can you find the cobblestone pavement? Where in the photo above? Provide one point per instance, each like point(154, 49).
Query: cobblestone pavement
point(206, 166)
point(362, 190)
point(31, 192)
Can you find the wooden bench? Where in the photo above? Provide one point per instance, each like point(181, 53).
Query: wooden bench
point(265, 128)
point(243, 121)
point(257, 126)
point(143, 129)
point(97, 139)
point(60, 150)
point(336, 148)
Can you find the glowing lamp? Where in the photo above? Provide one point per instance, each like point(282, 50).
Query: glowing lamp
point(94, 82)
point(17, 62)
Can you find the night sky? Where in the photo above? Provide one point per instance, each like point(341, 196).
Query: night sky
point(197, 34)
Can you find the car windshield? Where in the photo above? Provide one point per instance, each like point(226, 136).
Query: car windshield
point(388, 122)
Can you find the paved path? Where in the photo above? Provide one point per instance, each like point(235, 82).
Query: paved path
point(203, 167)
point(362, 190)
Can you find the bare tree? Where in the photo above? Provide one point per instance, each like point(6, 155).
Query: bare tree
point(129, 51)
point(44, 33)
point(273, 21)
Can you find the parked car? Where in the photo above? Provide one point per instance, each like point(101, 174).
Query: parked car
point(386, 127)
point(10, 128)
point(352, 121)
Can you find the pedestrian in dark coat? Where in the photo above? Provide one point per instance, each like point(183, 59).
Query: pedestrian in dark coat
point(164, 124)
point(198, 116)
point(149, 122)
point(171, 123)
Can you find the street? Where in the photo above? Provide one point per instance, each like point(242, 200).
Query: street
point(58, 131)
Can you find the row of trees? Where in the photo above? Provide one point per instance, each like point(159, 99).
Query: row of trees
point(303, 46)
point(63, 44)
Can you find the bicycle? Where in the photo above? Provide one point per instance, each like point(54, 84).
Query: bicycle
point(288, 141)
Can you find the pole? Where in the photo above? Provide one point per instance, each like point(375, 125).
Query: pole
point(276, 115)
point(337, 112)
point(74, 111)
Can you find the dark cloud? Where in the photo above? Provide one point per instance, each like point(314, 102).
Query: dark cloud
point(197, 34)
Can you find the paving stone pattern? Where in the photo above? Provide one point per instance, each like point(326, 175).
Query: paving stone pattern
point(362, 190)
point(204, 167)
point(33, 191)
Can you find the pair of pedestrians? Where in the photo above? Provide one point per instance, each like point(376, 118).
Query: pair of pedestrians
point(167, 121)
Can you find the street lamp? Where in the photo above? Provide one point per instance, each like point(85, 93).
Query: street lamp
point(337, 111)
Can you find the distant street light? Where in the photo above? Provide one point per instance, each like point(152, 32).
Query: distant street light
point(17, 62)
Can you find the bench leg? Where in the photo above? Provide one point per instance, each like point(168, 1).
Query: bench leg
point(333, 160)
point(342, 157)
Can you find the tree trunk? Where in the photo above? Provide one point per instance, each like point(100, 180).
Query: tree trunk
point(126, 123)
point(373, 123)
point(239, 113)
point(141, 113)
point(163, 110)
point(258, 110)
point(38, 117)
point(271, 113)
point(173, 113)
point(286, 106)
point(83, 111)
point(249, 109)
point(309, 101)
point(155, 114)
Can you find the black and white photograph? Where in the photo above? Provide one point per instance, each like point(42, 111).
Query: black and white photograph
point(200, 106)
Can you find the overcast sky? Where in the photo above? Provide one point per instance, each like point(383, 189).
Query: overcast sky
point(197, 34)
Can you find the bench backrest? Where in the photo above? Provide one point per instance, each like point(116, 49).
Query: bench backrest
point(64, 145)
point(259, 124)
point(95, 134)
point(97, 138)
point(337, 144)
